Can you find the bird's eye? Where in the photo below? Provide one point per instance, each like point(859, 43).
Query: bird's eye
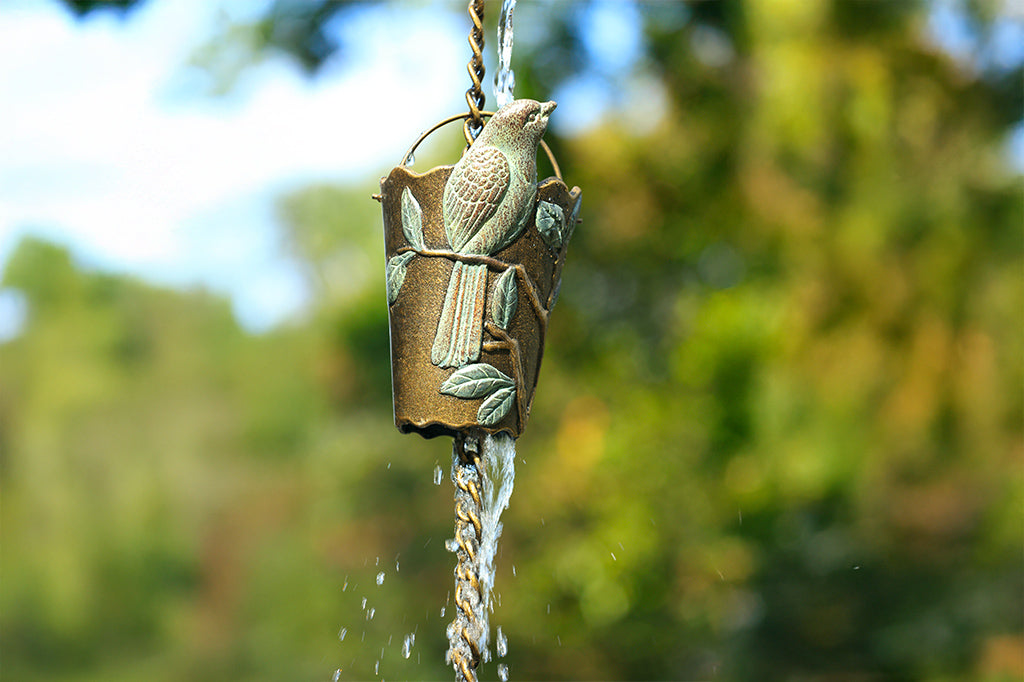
point(532, 117)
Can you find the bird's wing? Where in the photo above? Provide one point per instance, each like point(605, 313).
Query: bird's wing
point(473, 192)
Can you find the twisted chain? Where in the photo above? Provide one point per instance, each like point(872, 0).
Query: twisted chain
point(466, 631)
point(475, 95)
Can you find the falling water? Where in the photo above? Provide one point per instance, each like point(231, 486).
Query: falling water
point(504, 77)
point(497, 478)
point(407, 644)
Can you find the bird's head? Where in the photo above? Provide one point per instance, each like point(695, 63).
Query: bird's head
point(520, 121)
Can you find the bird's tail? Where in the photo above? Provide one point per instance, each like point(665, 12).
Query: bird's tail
point(460, 328)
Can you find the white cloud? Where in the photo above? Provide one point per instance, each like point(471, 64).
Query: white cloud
point(95, 153)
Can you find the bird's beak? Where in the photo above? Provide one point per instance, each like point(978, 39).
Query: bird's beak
point(547, 108)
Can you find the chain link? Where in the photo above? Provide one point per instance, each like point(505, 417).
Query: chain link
point(475, 97)
point(466, 631)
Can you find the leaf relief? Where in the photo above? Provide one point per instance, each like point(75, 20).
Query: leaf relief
point(504, 299)
point(494, 409)
point(394, 274)
point(412, 220)
point(550, 221)
point(476, 381)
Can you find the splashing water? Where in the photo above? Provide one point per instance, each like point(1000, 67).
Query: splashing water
point(380, 578)
point(336, 676)
point(438, 474)
point(503, 672)
point(497, 476)
point(407, 645)
point(501, 643)
point(504, 77)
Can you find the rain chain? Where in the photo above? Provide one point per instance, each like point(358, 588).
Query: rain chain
point(474, 255)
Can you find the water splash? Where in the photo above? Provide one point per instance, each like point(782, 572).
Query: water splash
point(341, 634)
point(407, 645)
point(501, 643)
point(438, 474)
point(336, 676)
point(380, 578)
point(497, 474)
point(504, 77)
point(503, 672)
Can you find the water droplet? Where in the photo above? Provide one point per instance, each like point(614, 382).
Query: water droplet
point(345, 586)
point(503, 672)
point(377, 562)
point(442, 612)
point(341, 634)
point(369, 614)
point(549, 608)
point(501, 643)
point(438, 474)
point(513, 569)
point(380, 578)
point(364, 603)
point(337, 675)
point(613, 556)
point(559, 640)
point(407, 644)
point(451, 544)
point(376, 668)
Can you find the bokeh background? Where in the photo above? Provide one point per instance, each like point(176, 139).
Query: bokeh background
point(778, 431)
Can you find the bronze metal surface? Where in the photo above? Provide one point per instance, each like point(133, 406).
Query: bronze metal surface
point(514, 350)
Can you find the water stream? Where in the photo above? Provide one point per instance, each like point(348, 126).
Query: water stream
point(504, 77)
point(498, 474)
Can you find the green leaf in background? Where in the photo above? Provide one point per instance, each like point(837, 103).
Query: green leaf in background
point(504, 299)
point(395, 274)
point(412, 220)
point(476, 381)
point(494, 409)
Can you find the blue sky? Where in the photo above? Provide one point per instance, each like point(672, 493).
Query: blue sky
point(110, 145)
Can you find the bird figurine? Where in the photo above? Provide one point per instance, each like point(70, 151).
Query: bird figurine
point(486, 205)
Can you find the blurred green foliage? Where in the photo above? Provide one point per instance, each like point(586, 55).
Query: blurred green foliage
point(778, 433)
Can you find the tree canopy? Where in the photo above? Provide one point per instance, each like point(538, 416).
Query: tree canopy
point(777, 433)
